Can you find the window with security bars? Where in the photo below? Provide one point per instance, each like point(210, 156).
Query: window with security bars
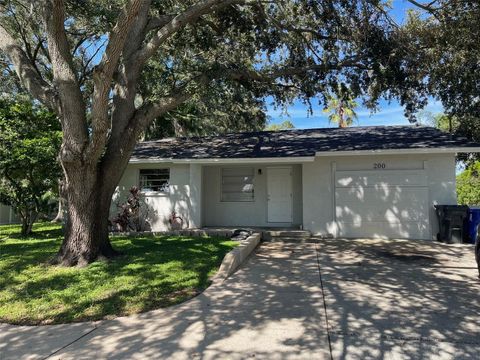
point(237, 184)
point(157, 180)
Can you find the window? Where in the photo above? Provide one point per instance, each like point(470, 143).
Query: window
point(237, 184)
point(154, 180)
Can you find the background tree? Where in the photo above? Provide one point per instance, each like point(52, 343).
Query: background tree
point(341, 109)
point(108, 69)
point(468, 185)
point(222, 110)
point(284, 125)
point(441, 55)
point(30, 138)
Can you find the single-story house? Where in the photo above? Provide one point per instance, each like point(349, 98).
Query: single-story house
point(375, 181)
point(7, 215)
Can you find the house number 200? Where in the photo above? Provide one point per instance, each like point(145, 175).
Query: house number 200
point(379, 166)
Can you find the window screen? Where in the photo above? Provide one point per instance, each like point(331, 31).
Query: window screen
point(154, 180)
point(237, 184)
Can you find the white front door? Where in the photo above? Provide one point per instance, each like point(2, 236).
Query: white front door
point(279, 194)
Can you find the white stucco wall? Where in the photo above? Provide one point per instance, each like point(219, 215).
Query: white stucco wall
point(195, 191)
point(160, 205)
point(7, 216)
point(318, 184)
point(218, 213)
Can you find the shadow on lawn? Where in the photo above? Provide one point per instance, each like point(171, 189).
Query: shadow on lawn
point(154, 272)
point(39, 231)
point(409, 300)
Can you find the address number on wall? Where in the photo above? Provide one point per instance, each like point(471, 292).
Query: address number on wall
point(379, 165)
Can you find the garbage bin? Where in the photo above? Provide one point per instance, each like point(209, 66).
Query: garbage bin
point(452, 220)
point(473, 222)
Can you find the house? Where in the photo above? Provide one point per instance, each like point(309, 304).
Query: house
point(379, 181)
point(7, 216)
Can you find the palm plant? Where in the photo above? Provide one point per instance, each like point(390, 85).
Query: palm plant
point(341, 109)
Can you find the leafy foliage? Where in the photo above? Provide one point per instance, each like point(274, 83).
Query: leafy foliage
point(132, 213)
point(223, 110)
point(465, 126)
point(30, 139)
point(341, 109)
point(285, 125)
point(468, 185)
point(286, 49)
point(441, 55)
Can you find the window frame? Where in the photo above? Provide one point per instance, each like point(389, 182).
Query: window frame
point(145, 190)
point(223, 199)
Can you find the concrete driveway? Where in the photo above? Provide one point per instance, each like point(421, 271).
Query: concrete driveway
point(401, 299)
point(271, 308)
point(380, 300)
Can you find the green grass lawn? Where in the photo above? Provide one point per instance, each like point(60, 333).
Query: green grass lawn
point(154, 272)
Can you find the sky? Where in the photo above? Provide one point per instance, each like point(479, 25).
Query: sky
point(389, 113)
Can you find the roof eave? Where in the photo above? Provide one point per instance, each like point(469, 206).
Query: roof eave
point(276, 160)
point(407, 151)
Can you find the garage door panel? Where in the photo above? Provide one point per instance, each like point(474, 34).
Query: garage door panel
point(401, 205)
point(382, 204)
point(377, 196)
point(382, 179)
point(345, 213)
point(409, 230)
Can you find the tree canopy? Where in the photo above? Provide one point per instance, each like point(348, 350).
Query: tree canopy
point(341, 108)
point(108, 69)
point(284, 125)
point(441, 55)
point(30, 138)
point(468, 185)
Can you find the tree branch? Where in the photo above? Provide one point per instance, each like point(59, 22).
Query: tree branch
point(427, 7)
point(246, 74)
point(180, 21)
point(26, 71)
point(158, 22)
point(73, 110)
point(126, 79)
point(103, 74)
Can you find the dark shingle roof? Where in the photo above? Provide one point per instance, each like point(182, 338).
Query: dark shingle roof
point(295, 143)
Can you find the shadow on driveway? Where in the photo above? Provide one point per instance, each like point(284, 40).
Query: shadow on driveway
point(271, 308)
point(401, 299)
point(384, 300)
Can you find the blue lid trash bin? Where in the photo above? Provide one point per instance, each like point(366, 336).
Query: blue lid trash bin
point(452, 221)
point(473, 222)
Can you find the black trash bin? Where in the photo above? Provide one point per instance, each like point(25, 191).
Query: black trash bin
point(452, 221)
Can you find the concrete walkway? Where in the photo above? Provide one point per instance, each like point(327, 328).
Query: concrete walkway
point(271, 308)
point(378, 300)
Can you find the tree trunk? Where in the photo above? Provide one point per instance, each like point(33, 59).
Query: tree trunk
point(27, 222)
point(60, 218)
point(25, 226)
point(86, 231)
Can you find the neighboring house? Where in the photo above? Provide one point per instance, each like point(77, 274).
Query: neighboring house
point(377, 181)
point(7, 216)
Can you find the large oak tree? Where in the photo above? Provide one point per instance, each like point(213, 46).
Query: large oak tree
point(109, 68)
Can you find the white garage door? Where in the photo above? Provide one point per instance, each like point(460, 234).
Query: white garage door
point(386, 203)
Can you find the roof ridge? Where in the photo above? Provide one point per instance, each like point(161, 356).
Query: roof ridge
point(260, 132)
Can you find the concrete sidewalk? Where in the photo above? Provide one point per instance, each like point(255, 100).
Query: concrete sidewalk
point(271, 308)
